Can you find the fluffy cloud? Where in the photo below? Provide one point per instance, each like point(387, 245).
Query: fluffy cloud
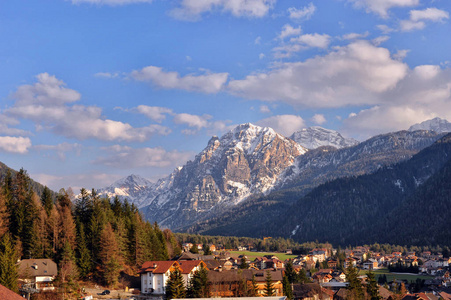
point(264, 109)
point(318, 119)
point(302, 42)
point(424, 94)
point(381, 7)
point(207, 83)
point(350, 75)
point(288, 30)
point(46, 104)
point(192, 10)
point(283, 124)
point(111, 2)
point(304, 13)
point(126, 157)
point(419, 17)
point(14, 144)
point(355, 36)
point(192, 120)
point(155, 113)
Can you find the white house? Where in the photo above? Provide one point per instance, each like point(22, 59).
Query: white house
point(39, 272)
point(155, 274)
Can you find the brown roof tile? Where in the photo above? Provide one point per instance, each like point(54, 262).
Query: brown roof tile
point(7, 294)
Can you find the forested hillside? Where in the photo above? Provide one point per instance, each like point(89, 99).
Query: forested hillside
point(93, 238)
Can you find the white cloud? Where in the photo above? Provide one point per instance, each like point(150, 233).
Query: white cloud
point(111, 2)
point(385, 29)
point(207, 83)
point(264, 109)
point(76, 181)
point(302, 42)
point(381, 7)
point(47, 91)
point(107, 75)
point(314, 40)
point(60, 149)
point(261, 56)
point(380, 39)
point(401, 54)
point(355, 36)
point(127, 157)
point(350, 75)
point(418, 18)
point(46, 103)
point(304, 13)
point(424, 94)
point(283, 124)
point(192, 10)
point(192, 120)
point(14, 144)
point(288, 30)
point(258, 40)
point(155, 113)
point(318, 119)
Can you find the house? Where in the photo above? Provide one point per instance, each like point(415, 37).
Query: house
point(310, 291)
point(260, 278)
point(154, 275)
point(332, 263)
point(188, 267)
point(7, 294)
point(39, 272)
point(371, 264)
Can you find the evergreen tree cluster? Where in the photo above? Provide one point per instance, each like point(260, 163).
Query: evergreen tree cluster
point(92, 238)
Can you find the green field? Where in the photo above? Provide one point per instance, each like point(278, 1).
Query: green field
point(391, 276)
point(252, 255)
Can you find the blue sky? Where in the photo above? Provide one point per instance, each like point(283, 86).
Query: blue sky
point(95, 90)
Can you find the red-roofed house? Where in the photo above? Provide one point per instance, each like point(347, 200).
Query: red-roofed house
point(7, 294)
point(154, 275)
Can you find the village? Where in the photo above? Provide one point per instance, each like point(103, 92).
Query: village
point(320, 274)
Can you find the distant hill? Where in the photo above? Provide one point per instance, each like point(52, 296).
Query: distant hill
point(36, 186)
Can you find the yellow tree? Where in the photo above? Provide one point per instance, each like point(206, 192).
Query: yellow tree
point(110, 259)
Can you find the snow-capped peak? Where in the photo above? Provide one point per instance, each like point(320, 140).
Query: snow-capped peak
point(132, 180)
point(437, 124)
point(314, 137)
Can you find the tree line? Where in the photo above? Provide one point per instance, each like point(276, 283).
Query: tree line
point(93, 238)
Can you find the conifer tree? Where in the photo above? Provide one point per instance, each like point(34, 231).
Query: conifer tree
point(110, 260)
point(287, 291)
point(175, 287)
point(355, 289)
point(372, 288)
point(290, 273)
point(243, 263)
point(8, 265)
point(46, 200)
point(83, 256)
point(199, 286)
point(68, 272)
point(269, 286)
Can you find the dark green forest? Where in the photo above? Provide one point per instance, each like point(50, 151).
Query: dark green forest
point(93, 238)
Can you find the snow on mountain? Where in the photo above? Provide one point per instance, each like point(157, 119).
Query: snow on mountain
point(437, 124)
point(134, 188)
point(314, 137)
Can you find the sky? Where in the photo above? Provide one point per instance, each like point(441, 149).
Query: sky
point(94, 90)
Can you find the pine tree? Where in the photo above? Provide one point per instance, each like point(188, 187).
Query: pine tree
point(83, 255)
point(243, 263)
point(199, 286)
point(355, 289)
point(46, 200)
point(372, 288)
point(175, 287)
point(68, 272)
point(269, 286)
point(290, 273)
point(8, 265)
point(287, 291)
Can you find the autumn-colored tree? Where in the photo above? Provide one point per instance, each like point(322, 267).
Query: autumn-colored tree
point(110, 260)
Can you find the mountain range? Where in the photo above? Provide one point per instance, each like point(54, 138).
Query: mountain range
point(252, 174)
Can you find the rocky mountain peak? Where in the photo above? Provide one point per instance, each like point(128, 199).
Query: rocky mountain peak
point(314, 137)
point(437, 124)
